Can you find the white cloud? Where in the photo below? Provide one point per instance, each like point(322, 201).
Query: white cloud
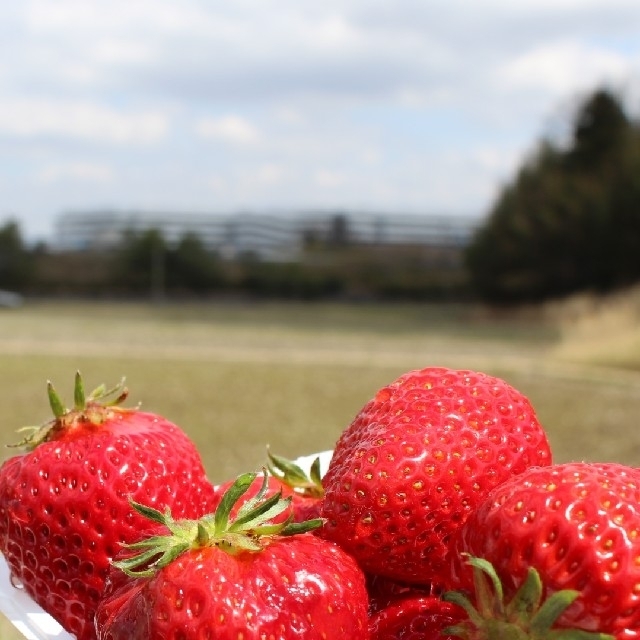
point(329, 179)
point(201, 104)
point(83, 172)
point(290, 116)
point(24, 117)
point(560, 6)
point(333, 33)
point(554, 67)
point(89, 17)
point(233, 129)
point(371, 156)
point(122, 51)
point(271, 174)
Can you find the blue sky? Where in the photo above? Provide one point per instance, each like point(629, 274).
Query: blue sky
point(411, 106)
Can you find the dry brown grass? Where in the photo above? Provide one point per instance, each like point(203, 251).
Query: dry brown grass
point(601, 330)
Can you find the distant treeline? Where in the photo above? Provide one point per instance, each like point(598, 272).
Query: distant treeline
point(144, 264)
point(569, 221)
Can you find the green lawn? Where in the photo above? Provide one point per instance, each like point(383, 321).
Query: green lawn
point(239, 377)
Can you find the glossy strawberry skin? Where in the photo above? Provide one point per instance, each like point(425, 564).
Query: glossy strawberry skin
point(417, 460)
point(384, 591)
point(415, 617)
point(578, 524)
point(64, 508)
point(296, 587)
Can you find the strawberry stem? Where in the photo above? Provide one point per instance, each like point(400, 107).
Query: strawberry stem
point(254, 520)
point(292, 475)
point(101, 393)
point(78, 393)
point(230, 497)
point(522, 618)
point(86, 410)
point(55, 401)
point(551, 610)
point(526, 600)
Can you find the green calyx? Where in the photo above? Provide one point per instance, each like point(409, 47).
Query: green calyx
point(292, 475)
point(87, 409)
point(246, 532)
point(524, 617)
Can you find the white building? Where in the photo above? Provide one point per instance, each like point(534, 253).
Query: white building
point(270, 236)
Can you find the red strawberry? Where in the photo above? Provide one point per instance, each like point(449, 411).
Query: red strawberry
point(64, 505)
point(417, 460)
point(225, 578)
point(384, 591)
point(570, 533)
point(415, 618)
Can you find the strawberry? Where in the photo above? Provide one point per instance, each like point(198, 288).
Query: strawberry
point(64, 504)
point(248, 577)
point(415, 463)
point(415, 618)
point(567, 534)
point(384, 592)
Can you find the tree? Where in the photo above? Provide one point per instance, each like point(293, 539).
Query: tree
point(140, 262)
point(16, 261)
point(570, 220)
point(147, 263)
point(191, 267)
point(600, 131)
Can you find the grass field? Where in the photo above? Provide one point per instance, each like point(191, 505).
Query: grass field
point(238, 377)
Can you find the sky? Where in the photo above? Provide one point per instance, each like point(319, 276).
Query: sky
point(403, 106)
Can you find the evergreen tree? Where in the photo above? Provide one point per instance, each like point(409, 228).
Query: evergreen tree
point(570, 220)
point(192, 267)
point(141, 263)
point(16, 261)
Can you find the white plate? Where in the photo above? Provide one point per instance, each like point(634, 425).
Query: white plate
point(24, 613)
point(32, 621)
